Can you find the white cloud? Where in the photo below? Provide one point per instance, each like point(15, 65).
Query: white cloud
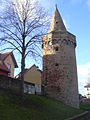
point(84, 69)
point(83, 75)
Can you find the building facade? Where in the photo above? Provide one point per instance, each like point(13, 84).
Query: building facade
point(59, 63)
point(3, 69)
point(8, 64)
point(33, 76)
point(87, 90)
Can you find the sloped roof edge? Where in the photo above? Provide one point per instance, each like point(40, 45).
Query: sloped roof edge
point(26, 70)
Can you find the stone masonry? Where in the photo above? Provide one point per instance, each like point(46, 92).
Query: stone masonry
point(59, 63)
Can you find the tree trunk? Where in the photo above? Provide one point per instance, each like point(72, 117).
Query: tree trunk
point(23, 61)
point(22, 76)
point(22, 67)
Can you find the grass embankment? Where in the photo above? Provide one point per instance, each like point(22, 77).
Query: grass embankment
point(85, 106)
point(33, 108)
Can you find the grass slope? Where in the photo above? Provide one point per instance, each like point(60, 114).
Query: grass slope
point(33, 108)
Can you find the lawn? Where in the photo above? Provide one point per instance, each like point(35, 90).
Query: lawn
point(33, 107)
point(85, 106)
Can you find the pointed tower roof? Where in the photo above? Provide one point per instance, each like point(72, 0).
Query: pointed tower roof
point(56, 22)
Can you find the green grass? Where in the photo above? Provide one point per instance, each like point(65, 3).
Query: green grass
point(33, 108)
point(85, 106)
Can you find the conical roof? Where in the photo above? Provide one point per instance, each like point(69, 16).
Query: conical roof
point(56, 22)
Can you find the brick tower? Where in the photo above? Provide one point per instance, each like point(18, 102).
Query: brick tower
point(59, 63)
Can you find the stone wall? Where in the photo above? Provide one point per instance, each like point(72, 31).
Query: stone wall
point(14, 84)
point(83, 116)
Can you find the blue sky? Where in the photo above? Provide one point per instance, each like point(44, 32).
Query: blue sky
point(76, 16)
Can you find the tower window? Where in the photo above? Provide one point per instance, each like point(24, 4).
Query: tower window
point(42, 46)
point(48, 42)
point(56, 64)
point(56, 22)
point(56, 48)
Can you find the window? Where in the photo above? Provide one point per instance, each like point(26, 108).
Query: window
point(48, 42)
point(8, 66)
point(56, 48)
point(56, 64)
point(87, 89)
point(42, 46)
point(56, 22)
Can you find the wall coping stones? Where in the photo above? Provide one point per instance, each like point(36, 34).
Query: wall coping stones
point(83, 116)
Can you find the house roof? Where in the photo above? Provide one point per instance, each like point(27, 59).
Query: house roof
point(5, 55)
point(35, 67)
point(19, 75)
point(86, 86)
point(27, 69)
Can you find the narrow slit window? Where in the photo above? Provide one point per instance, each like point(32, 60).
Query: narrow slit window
point(56, 48)
point(56, 64)
point(42, 46)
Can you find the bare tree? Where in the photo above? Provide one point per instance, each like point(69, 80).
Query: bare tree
point(21, 26)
